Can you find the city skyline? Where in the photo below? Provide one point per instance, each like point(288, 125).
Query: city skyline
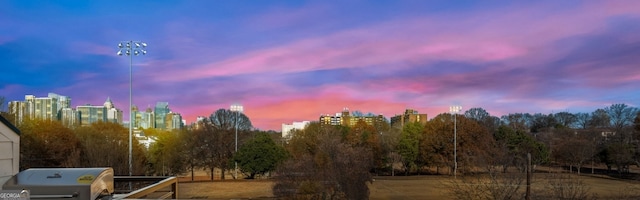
point(295, 60)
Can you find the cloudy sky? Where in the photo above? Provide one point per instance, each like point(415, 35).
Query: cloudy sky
point(288, 61)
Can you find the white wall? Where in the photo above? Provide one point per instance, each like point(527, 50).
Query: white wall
point(287, 128)
point(9, 153)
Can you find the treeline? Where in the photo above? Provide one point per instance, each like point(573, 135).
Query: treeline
point(324, 161)
point(212, 145)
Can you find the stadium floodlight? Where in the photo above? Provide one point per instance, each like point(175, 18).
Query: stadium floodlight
point(237, 108)
point(454, 110)
point(128, 48)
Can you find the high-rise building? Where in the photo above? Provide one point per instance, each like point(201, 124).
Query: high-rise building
point(174, 121)
point(63, 102)
point(409, 116)
point(147, 119)
point(19, 110)
point(39, 107)
point(44, 107)
point(161, 111)
point(198, 123)
point(89, 114)
point(113, 114)
point(69, 117)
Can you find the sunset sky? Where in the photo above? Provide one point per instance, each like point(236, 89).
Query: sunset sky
point(288, 61)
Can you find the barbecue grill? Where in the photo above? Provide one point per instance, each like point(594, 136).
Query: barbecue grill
point(64, 183)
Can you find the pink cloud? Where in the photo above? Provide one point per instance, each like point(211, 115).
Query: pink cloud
point(420, 39)
point(92, 48)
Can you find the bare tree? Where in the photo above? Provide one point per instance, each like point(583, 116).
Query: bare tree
point(565, 119)
point(323, 166)
point(573, 149)
point(560, 186)
point(494, 185)
point(621, 115)
point(599, 119)
point(216, 140)
point(582, 120)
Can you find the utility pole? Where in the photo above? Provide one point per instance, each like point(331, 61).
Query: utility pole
point(528, 194)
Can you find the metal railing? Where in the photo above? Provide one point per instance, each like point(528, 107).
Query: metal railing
point(163, 188)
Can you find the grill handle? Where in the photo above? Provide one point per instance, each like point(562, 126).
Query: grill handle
point(53, 196)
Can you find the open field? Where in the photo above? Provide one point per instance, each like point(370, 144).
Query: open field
point(386, 187)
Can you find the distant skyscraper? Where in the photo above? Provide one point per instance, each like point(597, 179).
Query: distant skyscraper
point(173, 121)
point(63, 102)
point(44, 107)
point(161, 111)
point(89, 114)
point(69, 117)
point(113, 114)
point(147, 119)
point(39, 107)
point(19, 110)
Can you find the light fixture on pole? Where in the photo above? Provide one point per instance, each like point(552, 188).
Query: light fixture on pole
point(237, 108)
point(131, 48)
point(454, 110)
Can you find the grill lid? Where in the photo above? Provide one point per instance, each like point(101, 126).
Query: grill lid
point(83, 182)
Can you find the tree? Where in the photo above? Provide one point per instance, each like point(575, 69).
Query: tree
point(636, 122)
point(582, 120)
point(518, 121)
point(518, 144)
point(388, 141)
point(478, 114)
point(216, 140)
point(621, 115)
point(573, 149)
point(599, 119)
point(408, 145)
point(541, 122)
point(565, 119)
point(323, 166)
point(484, 118)
point(474, 144)
point(47, 143)
point(107, 144)
point(168, 155)
point(259, 155)
point(367, 136)
point(619, 154)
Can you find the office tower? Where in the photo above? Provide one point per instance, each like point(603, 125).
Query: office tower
point(69, 117)
point(173, 121)
point(88, 114)
point(62, 102)
point(19, 110)
point(43, 107)
point(113, 114)
point(161, 111)
point(147, 119)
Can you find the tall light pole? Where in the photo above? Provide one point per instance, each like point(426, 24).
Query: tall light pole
point(131, 48)
point(237, 108)
point(454, 110)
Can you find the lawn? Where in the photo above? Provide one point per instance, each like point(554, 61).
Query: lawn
point(386, 187)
